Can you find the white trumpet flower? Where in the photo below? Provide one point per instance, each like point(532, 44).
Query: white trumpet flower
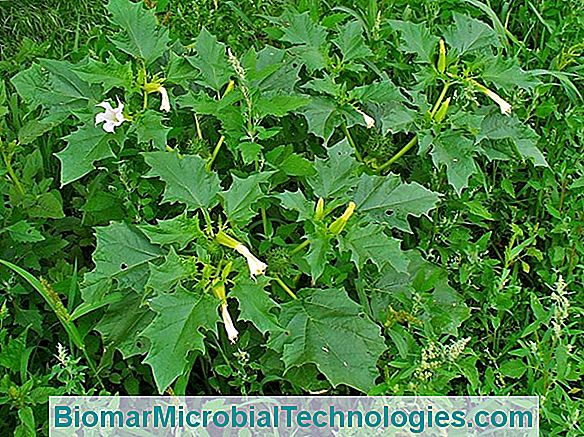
point(256, 267)
point(165, 102)
point(111, 117)
point(232, 333)
point(504, 106)
point(369, 121)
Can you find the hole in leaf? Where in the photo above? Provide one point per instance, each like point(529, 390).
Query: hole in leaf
point(123, 266)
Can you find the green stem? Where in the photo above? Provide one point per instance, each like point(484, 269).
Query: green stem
point(351, 142)
point(12, 174)
point(300, 247)
point(440, 98)
point(264, 220)
point(215, 152)
point(285, 287)
point(399, 154)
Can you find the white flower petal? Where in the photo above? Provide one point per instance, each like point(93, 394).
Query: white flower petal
point(106, 106)
point(111, 117)
point(230, 329)
point(256, 267)
point(504, 106)
point(109, 126)
point(369, 121)
point(165, 102)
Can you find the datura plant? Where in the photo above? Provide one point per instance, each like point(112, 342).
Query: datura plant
point(263, 207)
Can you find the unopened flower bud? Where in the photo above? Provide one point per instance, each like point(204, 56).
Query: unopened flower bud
point(319, 210)
point(441, 65)
point(339, 224)
point(441, 113)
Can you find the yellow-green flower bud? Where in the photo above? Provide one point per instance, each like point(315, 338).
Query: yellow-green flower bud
point(339, 224)
point(442, 57)
point(219, 291)
point(225, 240)
point(319, 210)
point(226, 271)
point(230, 87)
point(441, 113)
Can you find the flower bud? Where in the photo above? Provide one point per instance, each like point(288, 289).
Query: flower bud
point(441, 113)
point(339, 224)
point(319, 210)
point(441, 66)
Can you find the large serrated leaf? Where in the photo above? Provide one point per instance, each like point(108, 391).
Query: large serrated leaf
point(176, 331)
point(370, 243)
point(122, 254)
point(122, 324)
point(388, 196)
point(456, 152)
point(240, 199)
point(255, 304)
point(335, 175)
point(416, 38)
point(86, 145)
point(187, 180)
point(211, 61)
point(328, 329)
point(141, 37)
point(468, 34)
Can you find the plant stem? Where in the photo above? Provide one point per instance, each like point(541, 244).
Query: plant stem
point(351, 142)
point(440, 98)
point(198, 126)
point(300, 247)
point(215, 152)
point(12, 174)
point(399, 154)
point(414, 140)
point(264, 220)
point(285, 287)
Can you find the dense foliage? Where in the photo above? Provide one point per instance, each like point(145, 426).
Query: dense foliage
point(350, 198)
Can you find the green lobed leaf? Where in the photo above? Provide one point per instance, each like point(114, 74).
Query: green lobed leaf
point(165, 277)
point(149, 128)
point(455, 151)
point(240, 199)
point(321, 115)
point(279, 105)
point(122, 323)
point(187, 180)
point(176, 331)
point(328, 329)
point(141, 37)
point(211, 61)
point(351, 42)
point(370, 243)
point(497, 127)
point(508, 74)
point(390, 198)
point(89, 143)
point(122, 254)
point(180, 230)
point(308, 39)
point(319, 252)
point(109, 74)
point(335, 175)
point(255, 303)
point(416, 38)
point(296, 201)
point(469, 34)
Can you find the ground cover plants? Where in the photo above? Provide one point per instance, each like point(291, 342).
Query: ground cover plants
point(343, 198)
